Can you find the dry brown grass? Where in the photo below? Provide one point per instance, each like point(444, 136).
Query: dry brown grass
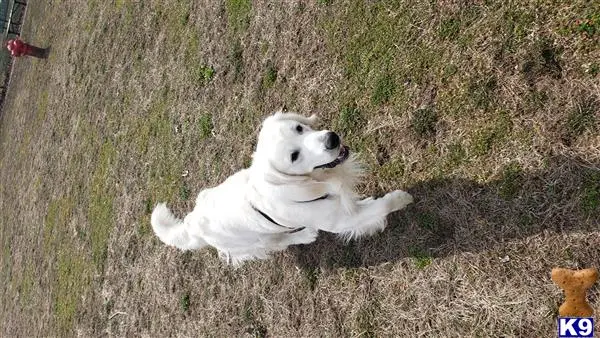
point(487, 113)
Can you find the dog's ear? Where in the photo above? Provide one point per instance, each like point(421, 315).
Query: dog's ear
point(280, 115)
point(281, 110)
point(313, 119)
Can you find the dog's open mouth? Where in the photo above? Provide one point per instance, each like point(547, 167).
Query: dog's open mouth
point(344, 153)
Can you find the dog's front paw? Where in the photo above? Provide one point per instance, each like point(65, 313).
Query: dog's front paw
point(398, 199)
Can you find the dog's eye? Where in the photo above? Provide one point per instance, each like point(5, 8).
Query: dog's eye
point(295, 155)
point(299, 128)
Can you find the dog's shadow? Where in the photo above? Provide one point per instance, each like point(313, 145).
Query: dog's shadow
point(458, 215)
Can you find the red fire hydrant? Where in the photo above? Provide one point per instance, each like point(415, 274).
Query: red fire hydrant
point(19, 48)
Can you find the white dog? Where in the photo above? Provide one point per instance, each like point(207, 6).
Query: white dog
point(301, 180)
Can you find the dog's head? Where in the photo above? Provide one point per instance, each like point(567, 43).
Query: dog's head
point(288, 143)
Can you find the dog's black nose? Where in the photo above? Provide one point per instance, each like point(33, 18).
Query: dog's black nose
point(332, 140)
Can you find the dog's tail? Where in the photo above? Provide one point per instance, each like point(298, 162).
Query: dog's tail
point(173, 231)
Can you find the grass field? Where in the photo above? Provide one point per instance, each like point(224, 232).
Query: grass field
point(487, 112)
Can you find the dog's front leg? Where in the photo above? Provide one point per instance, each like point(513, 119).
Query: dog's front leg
point(371, 214)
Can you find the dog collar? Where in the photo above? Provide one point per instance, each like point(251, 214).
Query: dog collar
point(290, 230)
point(316, 199)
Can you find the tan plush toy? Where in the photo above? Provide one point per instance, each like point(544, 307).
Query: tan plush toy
point(575, 284)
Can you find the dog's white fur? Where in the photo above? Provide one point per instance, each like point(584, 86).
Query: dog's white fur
point(226, 217)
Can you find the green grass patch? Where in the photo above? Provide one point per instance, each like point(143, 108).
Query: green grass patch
point(511, 181)
point(449, 29)
point(152, 127)
point(590, 25)
point(517, 24)
point(392, 170)
point(350, 119)
point(162, 148)
point(42, 107)
point(144, 228)
point(184, 302)
point(421, 258)
point(423, 122)
point(427, 221)
point(485, 138)
point(184, 192)
point(483, 141)
point(193, 47)
point(373, 39)
point(205, 125)
point(456, 155)
point(70, 283)
point(148, 206)
point(184, 16)
point(174, 17)
point(385, 87)
point(165, 182)
point(177, 14)
point(590, 195)
point(269, 76)
point(26, 285)
point(202, 74)
point(481, 91)
point(360, 143)
point(448, 72)
point(101, 209)
point(58, 215)
point(369, 47)
point(238, 14)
